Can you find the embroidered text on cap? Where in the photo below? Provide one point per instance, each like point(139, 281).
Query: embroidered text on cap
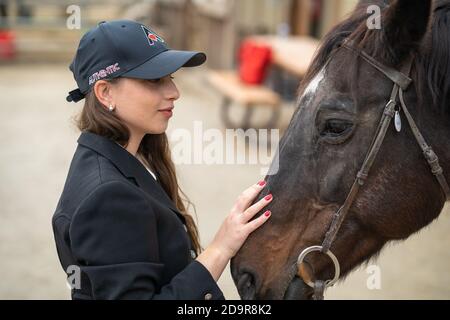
point(104, 73)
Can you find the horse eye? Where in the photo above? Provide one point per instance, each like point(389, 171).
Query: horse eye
point(336, 128)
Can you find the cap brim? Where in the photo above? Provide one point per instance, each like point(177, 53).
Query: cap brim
point(165, 64)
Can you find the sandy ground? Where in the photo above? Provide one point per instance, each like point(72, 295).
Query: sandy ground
point(38, 141)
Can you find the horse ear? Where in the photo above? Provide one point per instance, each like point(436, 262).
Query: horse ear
point(405, 25)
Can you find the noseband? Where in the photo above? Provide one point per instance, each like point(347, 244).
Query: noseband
point(401, 82)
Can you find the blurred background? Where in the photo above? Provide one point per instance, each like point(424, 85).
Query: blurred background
point(258, 51)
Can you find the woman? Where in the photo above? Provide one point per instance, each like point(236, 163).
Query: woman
point(121, 220)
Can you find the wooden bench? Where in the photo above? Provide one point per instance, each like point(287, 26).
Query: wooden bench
point(249, 96)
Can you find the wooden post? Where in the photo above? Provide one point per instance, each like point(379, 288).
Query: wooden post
point(333, 12)
point(300, 17)
point(214, 32)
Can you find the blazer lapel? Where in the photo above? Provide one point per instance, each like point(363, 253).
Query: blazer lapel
point(129, 166)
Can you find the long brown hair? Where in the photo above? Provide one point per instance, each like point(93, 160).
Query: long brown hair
point(154, 150)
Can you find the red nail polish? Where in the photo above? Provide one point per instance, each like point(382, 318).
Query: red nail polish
point(262, 183)
point(268, 198)
point(267, 213)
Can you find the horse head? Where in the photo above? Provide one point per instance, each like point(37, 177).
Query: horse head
point(341, 101)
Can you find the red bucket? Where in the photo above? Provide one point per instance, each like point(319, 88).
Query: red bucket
point(7, 45)
point(254, 61)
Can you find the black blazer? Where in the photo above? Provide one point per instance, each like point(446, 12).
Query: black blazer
point(116, 223)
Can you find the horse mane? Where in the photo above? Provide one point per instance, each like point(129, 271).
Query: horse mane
point(435, 62)
point(432, 63)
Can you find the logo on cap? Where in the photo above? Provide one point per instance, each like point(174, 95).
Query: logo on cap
point(151, 36)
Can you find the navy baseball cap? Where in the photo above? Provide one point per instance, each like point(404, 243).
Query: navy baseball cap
point(125, 48)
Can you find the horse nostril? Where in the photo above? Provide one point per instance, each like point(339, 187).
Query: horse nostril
point(246, 286)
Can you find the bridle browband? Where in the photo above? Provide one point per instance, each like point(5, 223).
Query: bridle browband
point(401, 82)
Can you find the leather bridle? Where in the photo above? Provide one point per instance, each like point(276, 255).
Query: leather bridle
point(401, 82)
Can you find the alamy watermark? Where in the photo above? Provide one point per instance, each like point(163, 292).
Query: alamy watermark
point(73, 277)
point(374, 280)
point(232, 147)
point(73, 22)
point(374, 20)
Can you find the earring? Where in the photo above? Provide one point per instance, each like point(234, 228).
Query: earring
point(111, 108)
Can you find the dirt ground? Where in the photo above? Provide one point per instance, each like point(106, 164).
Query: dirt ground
point(38, 142)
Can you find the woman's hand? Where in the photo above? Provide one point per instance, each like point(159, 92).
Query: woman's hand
point(234, 230)
point(239, 224)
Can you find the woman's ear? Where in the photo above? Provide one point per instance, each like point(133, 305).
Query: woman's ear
point(103, 92)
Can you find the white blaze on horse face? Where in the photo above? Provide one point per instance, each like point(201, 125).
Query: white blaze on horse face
point(312, 87)
point(314, 84)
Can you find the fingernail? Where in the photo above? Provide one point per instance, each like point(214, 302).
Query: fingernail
point(268, 198)
point(262, 183)
point(267, 213)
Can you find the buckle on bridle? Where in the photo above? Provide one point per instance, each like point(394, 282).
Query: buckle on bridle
point(389, 110)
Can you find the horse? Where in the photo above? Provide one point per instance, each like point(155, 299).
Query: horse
point(358, 166)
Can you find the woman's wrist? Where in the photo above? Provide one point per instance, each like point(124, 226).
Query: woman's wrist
point(215, 260)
